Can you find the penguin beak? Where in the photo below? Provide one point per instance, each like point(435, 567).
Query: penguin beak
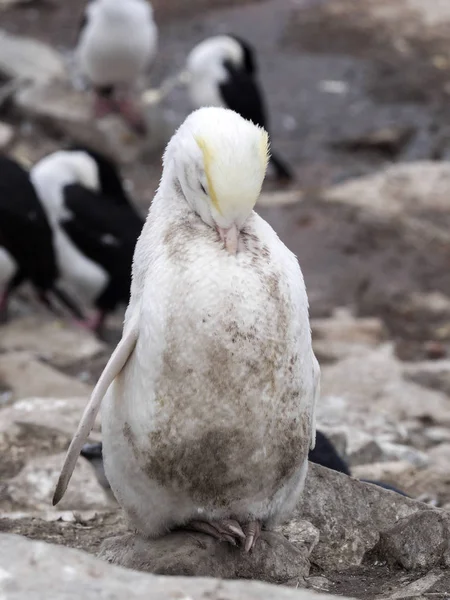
point(230, 238)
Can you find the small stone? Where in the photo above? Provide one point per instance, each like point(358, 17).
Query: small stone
point(300, 533)
point(435, 350)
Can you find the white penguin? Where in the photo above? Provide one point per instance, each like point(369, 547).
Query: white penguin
point(210, 395)
point(117, 43)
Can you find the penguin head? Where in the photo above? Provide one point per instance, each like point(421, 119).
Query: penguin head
point(218, 160)
point(79, 165)
point(207, 59)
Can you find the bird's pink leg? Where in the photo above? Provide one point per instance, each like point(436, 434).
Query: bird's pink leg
point(103, 106)
point(132, 114)
point(93, 323)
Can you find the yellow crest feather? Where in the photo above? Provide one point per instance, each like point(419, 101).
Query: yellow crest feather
point(207, 159)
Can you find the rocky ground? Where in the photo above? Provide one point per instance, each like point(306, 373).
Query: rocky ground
point(359, 101)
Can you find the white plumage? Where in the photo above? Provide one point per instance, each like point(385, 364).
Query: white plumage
point(117, 44)
point(210, 415)
point(118, 41)
point(206, 67)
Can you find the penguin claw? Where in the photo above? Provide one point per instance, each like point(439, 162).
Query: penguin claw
point(252, 533)
point(229, 530)
point(212, 529)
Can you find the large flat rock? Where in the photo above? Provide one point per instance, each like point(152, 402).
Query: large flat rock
point(350, 515)
point(38, 570)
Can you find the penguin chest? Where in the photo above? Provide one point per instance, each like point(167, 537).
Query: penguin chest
point(118, 55)
point(227, 415)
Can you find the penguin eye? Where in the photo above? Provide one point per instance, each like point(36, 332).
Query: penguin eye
point(202, 187)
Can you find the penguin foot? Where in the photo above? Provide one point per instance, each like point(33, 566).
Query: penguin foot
point(103, 107)
point(227, 530)
point(93, 324)
point(132, 116)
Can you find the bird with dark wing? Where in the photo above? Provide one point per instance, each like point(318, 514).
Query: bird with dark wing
point(27, 250)
point(223, 72)
point(95, 227)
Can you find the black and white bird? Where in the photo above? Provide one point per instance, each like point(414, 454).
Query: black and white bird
point(95, 227)
point(117, 43)
point(223, 72)
point(27, 251)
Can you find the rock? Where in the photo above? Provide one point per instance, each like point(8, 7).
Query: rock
point(83, 530)
point(27, 377)
point(53, 341)
point(69, 111)
point(419, 541)
point(388, 141)
point(343, 327)
point(32, 569)
point(33, 487)
point(399, 189)
point(349, 515)
point(280, 198)
point(38, 426)
point(28, 59)
point(399, 473)
point(363, 449)
point(430, 482)
point(56, 418)
point(342, 335)
point(301, 533)
point(320, 583)
point(274, 559)
point(400, 452)
point(408, 192)
point(368, 394)
point(432, 374)
point(7, 134)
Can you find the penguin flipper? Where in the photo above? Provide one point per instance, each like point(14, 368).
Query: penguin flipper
point(115, 364)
